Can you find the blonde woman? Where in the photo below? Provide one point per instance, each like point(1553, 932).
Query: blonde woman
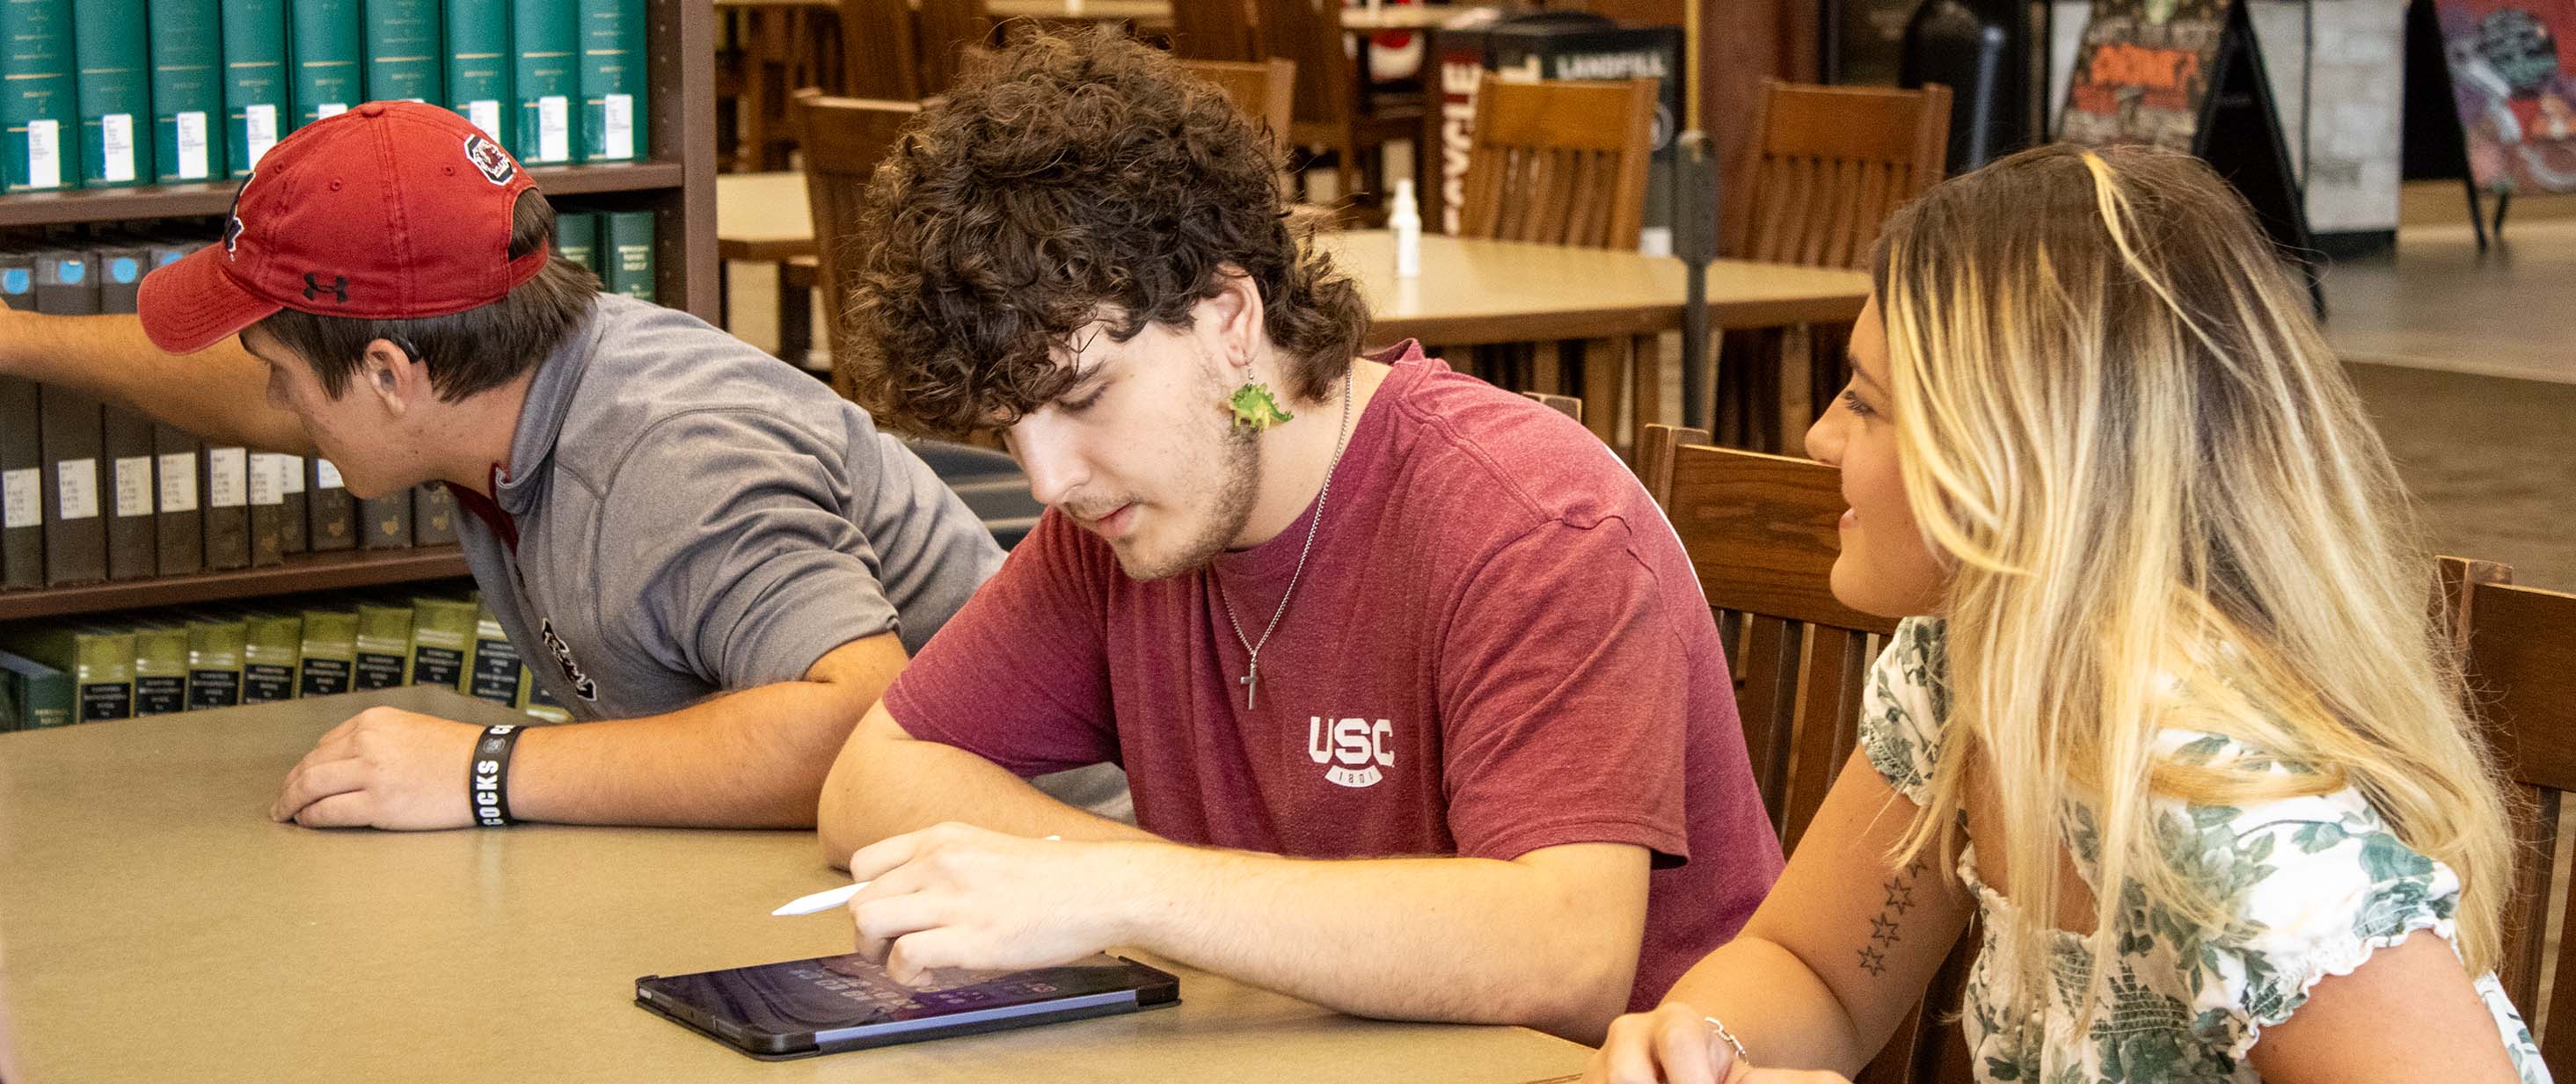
point(2167, 712)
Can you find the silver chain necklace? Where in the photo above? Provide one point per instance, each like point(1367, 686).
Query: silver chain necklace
point(1251, 679)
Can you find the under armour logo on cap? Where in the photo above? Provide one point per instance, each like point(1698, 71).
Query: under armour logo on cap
point(339, 288)
point(488, 157)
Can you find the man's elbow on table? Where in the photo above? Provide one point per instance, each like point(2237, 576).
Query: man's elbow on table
point(849, 815)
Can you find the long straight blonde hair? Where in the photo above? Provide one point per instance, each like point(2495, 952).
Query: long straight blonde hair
point(2117, 418)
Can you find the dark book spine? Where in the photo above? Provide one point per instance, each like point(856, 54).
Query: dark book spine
point(227, 507)
point(179, 529)
point(385, 522)
point(267, 511)
point(626, 238)
point(433, 521)
point(334, 512)
point(71, 426)
point(22, 450)
point(127, 444)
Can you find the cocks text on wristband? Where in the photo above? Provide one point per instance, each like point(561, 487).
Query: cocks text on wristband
point(488, 785)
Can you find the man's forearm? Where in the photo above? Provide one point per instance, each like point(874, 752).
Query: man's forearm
point(1464, 940)
point(749, 759)
point(885, 787)
point(220, 393)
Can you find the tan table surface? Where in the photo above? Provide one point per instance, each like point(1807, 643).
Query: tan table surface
point(159, 927)
point(1402, 16)
point(1474, 291)
point(763, 216)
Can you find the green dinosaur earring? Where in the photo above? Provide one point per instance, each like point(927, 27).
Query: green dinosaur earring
point(1254, 408)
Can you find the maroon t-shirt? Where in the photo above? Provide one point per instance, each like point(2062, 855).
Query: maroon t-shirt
point(1498, 646)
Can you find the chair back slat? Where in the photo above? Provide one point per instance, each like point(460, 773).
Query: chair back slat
point(844, 139)
point(880, 50)
point(1831, 163)
point(1264, 89)
point(1561, 162)
point(1563, 404)
point(1308, 33)
point(951, 31)
point(1221, 30)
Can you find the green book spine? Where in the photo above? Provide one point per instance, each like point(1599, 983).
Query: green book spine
point(12, 715)
point(330, 652)
point(115, 65)
point(324, 44)
point(495, 676)
point(160, 669)
point(543, 39)
point(275, 644)
point(627, 238)
point(479, 66)
point(442, 639)
point(534, 701)
point(187, 90)
point(215, 648)
point(383, 648)
point(577, 238)
point(39, 106)
point(613, 98)
point(256, 109)
point(46, 696)
point(403, 59)
point(100, 662)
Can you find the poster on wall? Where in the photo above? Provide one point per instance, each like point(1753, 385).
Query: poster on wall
point(2514, 82)
point(2143, 71)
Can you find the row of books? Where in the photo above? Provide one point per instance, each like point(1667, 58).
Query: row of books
point(95, 492)
point(192, 660)
point(108, 93)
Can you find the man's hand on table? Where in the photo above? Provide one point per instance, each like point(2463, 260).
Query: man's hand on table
point(956, 896)
point(384, 768)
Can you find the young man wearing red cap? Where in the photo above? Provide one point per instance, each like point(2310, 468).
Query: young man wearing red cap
point(661, 513)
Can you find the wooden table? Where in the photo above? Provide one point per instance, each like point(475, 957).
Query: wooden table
point(160, 928)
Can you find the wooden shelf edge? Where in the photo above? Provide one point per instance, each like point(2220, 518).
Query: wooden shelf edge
point(214, 198)
point(301, 573)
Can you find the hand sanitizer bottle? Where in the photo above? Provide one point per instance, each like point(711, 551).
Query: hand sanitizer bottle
point(1406, 220)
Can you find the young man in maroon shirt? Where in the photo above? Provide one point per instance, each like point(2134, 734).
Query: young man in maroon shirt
point(1424, 713)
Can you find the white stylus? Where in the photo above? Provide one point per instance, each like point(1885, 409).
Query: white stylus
point(827, 899)
point(821, 901)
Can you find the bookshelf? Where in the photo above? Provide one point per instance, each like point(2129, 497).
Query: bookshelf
point(677, 182)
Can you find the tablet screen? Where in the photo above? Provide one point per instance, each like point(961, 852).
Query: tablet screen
point(835, 993)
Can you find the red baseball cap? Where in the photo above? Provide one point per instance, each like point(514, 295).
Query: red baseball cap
point(390, 211)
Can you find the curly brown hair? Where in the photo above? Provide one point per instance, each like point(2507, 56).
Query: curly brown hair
point(1068, 179)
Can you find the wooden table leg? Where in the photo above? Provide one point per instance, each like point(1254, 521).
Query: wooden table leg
point(1547, 368)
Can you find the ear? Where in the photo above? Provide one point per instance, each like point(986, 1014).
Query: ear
point(1233, 318)
point(393, 376)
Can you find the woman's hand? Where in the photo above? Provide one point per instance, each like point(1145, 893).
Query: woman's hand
point(1675, 1044)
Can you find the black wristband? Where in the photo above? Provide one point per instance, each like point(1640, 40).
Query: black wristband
point(487, 782)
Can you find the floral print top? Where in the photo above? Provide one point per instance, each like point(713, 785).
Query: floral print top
point(2320, 882)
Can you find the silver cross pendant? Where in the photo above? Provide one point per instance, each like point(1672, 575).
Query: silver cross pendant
point(1251, 682)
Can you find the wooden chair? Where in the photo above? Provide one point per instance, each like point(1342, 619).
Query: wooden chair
point(2522, 672)
point(844, 139)
point(880, 51)
point(1829, 165)
point(1760, 531)
point(952, 31)
point(1560, 163)
point(1333, 111)
point(1218, 30)
point(1263, 90)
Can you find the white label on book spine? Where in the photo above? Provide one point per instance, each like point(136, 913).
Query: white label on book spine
point(619, 137)
point(329, 109)
point(264, 488)
point(133, 486)
point(44, 154)
point(192, 145)
point(290, 474)
point(485, 113)
point(326, 474)
point(77, 482)
point(554, 128)
point(22, 501)
point(116, 146)
point(259, 131)
point(225, 477)
point(179, 482)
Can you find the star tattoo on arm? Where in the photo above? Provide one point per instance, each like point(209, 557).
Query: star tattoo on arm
point(1873, 961)
point(1883, 930)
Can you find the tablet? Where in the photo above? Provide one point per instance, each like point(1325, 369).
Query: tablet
point(801, 1008)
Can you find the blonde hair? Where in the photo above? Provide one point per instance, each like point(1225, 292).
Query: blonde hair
point(2117, 418)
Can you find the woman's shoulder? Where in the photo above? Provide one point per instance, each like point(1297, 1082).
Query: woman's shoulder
point(1904, 705)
